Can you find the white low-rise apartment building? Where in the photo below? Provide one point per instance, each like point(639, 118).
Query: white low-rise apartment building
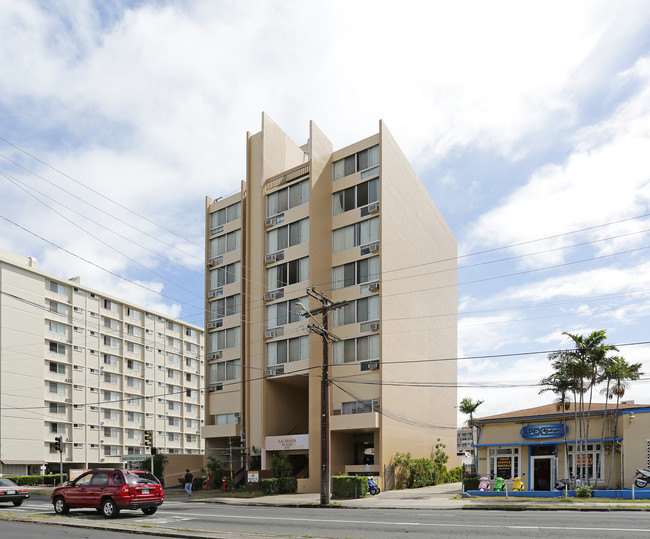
point(94, 369)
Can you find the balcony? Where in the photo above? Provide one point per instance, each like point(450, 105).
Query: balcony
point(369, 421)
point(221, 431)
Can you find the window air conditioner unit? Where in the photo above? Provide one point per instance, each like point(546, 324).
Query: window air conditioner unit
point(369, 365)
point(215, 387)
point(275, 371)
point(68, 400)
point(374, 326)
point(216, 230)
point(373, 247)
point(212, 324)
point(274, 294)
point(237, 416)
point(270, 221)
point(69, 380)
point(373, 208)
point(373, 286)
point(269, 259)
point(215, 355)
point(68, 439)
point(270, 333)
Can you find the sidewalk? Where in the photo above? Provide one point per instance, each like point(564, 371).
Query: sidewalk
point(439, 497)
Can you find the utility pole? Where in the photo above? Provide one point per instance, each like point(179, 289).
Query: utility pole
point(322, 330)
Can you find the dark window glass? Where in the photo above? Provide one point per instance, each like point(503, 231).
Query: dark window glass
point(350, 162)
point(363, 160)
point(362, 194)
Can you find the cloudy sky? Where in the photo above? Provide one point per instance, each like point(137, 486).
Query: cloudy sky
point(528, 122)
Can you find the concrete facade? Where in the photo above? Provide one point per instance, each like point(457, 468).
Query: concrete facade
point(543, 454)
point(93, 369)
point(358, 225)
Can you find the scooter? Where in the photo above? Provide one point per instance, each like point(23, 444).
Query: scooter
point(569, 484)
point(484, 484)
point(500, 484)
point(372, 487)
point(642, 481)
point(518, 483)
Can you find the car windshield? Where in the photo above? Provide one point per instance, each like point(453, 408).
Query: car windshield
point(140, 477)
point(7, 483)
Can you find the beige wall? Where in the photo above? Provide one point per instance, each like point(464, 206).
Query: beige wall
point(636, 444)
point(412, 233)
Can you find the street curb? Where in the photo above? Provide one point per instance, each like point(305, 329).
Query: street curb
point(551, 508)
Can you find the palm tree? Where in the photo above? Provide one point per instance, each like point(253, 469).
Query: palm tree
point(561, 384)
point(468, 407)
point(622, 374)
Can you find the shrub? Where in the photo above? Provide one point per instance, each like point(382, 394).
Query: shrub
point(34, 480)
point(278, 485)
point(349, 486)
point(280, 465)
point(452, 476)
point(422, 473)
point(584, 492)
point(470, 483)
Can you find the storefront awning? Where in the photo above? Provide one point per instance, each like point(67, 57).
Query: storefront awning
point(41, 462)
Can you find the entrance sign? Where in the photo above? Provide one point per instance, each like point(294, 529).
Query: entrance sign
point(132, 458)
point(287, 443)
point(535, 432)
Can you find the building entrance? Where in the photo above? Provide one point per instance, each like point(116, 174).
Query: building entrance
point(543, 472)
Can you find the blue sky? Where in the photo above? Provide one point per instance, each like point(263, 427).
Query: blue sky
point(525, 121)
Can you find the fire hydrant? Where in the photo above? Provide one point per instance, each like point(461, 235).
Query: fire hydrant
point(224, 482)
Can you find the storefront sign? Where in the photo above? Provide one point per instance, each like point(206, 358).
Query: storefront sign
point(555, 430)
point(287, 443)
point(253, 477)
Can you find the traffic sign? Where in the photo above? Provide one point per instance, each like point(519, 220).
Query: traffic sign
point(133, 458)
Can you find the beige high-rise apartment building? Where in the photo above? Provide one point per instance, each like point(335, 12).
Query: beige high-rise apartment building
point(359, 226)
point(94, 369)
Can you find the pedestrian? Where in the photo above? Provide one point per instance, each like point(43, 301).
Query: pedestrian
point(188, 482)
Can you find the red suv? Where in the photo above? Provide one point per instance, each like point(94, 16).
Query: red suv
point(108, 491)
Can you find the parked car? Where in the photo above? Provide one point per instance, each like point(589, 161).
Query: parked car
point(10, 492)
point(109, 491)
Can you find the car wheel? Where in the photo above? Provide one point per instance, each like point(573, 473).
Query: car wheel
point(60, 507)
point(149, 510)
point(18, 503)
point(109, 509)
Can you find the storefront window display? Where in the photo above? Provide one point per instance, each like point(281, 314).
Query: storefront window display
point(592, 455)
point(504, 462)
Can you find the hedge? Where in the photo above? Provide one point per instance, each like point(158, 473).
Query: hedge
point(470, 483)
point(349, 486)
point(35, 480)
point(278, 485)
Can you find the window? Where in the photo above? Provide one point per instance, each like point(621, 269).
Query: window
point(110, 432)
point(191, 348)
point(359, 272)
point(132, 434)
point(111, 360)
point(224, 215)
point(111, 396)
point(356, 196)
point(284, 312)
point(295, 349)
point(110, 323)
point(356, 234)
point(133, 417)
point(287, 198)
point(362, 160)
point(191, 424)
point(227, 338)
point(191, 363)
point(224, 371)
point(190, 332)
point(111, 306)
point(111, 342)
point(57, 408)
point(57, 348)
point(133, 330)
point(174, 375)
point(132, 450)
point(134, 348)
point(56, 428)
point(133, 382)
point(110, 378)
point(224, 275)
point(173, 358)
point(58, 308)
point(58, 288)
point(60, 329)
point(291, 272)
point(58, 368)
point(287, 236)
point(191, 408)
point(174, 421)
point(226, 243)
point(592, 456)
point(359, 407)
point(224, 419)
point(225, 307)
point(172, 326)
point(503, 461)
point(191, 438)
point(190, 393)
point(174, 406)
point(173, 437)
point(59, 389)
point(133, 313)
point(360, 310)
point(110, 451)
point(353, 350)
point(111, 415)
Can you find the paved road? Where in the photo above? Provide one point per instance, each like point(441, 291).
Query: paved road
point(233, 520)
